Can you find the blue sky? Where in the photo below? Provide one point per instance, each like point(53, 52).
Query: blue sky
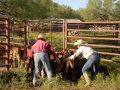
point(74, 4)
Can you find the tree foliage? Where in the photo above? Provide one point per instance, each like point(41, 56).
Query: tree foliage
point(35, 9)
point(101, 10)
point(95, 10)
point(116, 11)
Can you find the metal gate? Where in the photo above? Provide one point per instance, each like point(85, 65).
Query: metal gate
point(12, 33)
point(102, 36)
point(48, 26)
point(5, 40)
point(20, 33)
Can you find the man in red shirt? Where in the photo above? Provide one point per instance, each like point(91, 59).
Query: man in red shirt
point(40, 53)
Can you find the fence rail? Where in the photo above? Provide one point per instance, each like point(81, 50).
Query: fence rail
point(104, 36)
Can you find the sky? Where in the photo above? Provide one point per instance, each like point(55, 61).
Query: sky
point(74, 4)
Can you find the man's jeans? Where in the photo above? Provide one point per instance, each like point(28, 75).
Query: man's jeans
point(93, 61)
point(38, 58)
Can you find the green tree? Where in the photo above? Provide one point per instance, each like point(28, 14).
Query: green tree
point(36, 9)
point(116, 11)
point(107, 10)
point(98, 10)
point(53, 13)
point(92, 11)
point(62, 11)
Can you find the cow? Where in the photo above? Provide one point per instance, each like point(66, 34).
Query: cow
point(30, 69)
point(23, 53)
point(14, 56)
point(76, 69)
point(56, 68)
point(68, 64)
point(72, 68)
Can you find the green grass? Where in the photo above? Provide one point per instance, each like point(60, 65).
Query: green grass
point(107, 79)
point(55, 39)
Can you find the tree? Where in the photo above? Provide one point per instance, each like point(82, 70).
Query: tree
point(116, 11)
point(92, 11)
point(98, 10)
point(107, 10)
point(36, 9)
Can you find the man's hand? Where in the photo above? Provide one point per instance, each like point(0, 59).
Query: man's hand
point(58, 60)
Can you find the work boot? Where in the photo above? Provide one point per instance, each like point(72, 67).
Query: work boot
point(87, 79)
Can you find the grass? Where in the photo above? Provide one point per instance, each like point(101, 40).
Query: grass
point(107, 79)
point(55, 39)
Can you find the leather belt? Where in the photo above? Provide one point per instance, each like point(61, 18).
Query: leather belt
point(92, 54)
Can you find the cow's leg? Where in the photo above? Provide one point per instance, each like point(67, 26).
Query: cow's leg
point(13, 63)
point(18, 61)
point(26, 62)
point(30, 70)
point(21, 64)
point(42, 73)
point(66, 69)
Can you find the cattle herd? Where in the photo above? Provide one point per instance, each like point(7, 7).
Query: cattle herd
point(68, 70)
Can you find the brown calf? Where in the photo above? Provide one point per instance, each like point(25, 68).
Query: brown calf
point(72, 68)
point(56, 68)
point(23, 53)
point(14, 56)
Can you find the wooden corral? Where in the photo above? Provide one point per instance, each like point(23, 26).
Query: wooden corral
point(102, 36)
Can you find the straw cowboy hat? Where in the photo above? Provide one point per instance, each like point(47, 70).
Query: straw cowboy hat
point(80, 42)
point(40, 36)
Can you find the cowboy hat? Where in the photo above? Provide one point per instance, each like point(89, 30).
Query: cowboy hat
point(40, 36)
point(80, 42)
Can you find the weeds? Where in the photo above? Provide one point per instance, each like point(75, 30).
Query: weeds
point(17, 81)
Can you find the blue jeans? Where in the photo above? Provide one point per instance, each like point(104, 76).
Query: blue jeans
point(38, 58)
point(94, 62)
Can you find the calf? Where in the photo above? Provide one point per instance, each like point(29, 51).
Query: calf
point(76, 70)
point(23, 53)
point(56, 68)
point(68, 65)
point(30, 69)
point(72, 68)
point(14, 56)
